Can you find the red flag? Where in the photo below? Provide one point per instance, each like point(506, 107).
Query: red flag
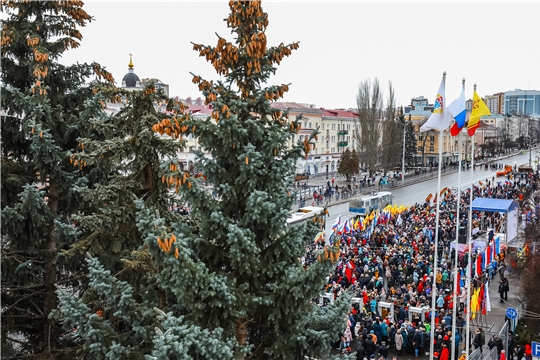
point(458, 288)
point(482, 300)
point(455, 129)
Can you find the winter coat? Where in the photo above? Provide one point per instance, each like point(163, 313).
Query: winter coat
point(417, 340)
point(348, 334)
point(377, 330)
point(384, 329)
point(445, 354)
point(357, 329)
point(383, 351)
point(360, 352)
point(398, 339)
point(369, 346)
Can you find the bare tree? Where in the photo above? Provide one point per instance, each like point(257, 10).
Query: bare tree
point(379, 139)
point(392, 140)
point(423, 136)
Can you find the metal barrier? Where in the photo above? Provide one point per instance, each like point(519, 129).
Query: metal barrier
point(491, 354)
point(475, 355)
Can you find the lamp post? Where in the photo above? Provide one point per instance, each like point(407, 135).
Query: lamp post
point(327, 161)
point(403, 157)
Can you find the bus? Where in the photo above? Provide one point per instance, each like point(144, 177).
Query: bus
point(365, 204)
point(302, 214)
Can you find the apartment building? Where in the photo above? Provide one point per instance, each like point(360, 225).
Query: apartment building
point(522, 102)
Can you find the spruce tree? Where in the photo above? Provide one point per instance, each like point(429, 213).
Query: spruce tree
point(45, 107)
point(349, 164)
point(230, 277)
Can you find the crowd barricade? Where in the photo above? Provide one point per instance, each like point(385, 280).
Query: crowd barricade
point(475, 355)
point(360, 302)
point(328, 296)
point(488, 354)
point(386, 309)
point(419, 311)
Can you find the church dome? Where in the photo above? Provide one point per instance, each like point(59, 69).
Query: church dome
point(131, 80)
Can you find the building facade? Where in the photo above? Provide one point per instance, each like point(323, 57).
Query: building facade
point(522, 102)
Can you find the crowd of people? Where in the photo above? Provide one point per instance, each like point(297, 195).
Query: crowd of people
point(394, 264)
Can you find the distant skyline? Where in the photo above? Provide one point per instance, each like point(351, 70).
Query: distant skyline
point(492, 44)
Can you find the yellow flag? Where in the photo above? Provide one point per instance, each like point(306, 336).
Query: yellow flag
point(479, 109)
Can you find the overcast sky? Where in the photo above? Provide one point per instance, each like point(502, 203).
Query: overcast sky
point(493, 44)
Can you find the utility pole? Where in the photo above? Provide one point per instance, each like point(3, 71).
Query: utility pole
point(403, 159)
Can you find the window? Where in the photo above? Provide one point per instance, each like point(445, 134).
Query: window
point(332, 150)
point(420, 148)
point(431, 148)
point(338, 127)
point(310, 126)
point(322, 126)
point(333, 126)
point(316, 125)
point(328, 144)
point(316, 150)
point(333, 139)
point(432, 138)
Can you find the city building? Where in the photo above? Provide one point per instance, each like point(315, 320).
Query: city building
point(495, 103)
point(522, 102)
point(419, 103)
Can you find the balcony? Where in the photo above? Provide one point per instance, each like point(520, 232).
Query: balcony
point(342, 144)
point(343, 132)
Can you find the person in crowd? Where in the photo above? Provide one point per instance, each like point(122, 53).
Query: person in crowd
point(392, 260)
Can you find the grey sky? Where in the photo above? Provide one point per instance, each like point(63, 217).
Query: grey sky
point(341, 43)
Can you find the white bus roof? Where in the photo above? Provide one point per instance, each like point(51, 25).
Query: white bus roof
point(375, 195)
point(304, 213)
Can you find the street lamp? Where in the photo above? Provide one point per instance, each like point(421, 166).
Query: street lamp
point(403, 156)
point(327, 161)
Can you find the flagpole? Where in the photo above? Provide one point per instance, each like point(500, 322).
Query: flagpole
point(434, 283)
point(458, 198)
point(469, 238)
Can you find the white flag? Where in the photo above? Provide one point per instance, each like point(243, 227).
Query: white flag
point(441, 118)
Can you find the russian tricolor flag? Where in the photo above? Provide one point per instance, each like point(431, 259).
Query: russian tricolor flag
point(458, 110)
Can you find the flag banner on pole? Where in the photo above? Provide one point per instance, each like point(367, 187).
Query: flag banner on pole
point(441, 118)
point(488, 302)
point(458, 110)
point(458, 282)
point(482, 299)
point(479, 109)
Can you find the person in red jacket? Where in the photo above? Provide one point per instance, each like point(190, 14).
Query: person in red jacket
point(528, 352)
point(445, 353)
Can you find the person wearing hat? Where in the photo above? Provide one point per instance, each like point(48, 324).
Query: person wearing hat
point(369, 346)
point(383, 350)
point(399, 341)
point(511, 345)
point(418, 342)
